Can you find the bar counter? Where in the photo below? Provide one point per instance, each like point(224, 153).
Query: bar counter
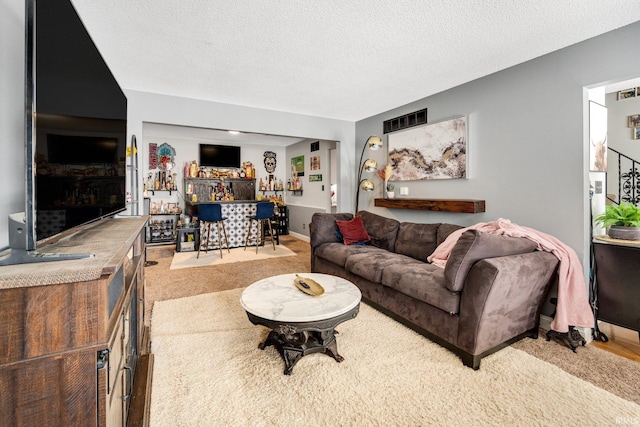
point(236, 224)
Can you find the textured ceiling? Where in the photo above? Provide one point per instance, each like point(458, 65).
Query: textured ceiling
point(335, 58)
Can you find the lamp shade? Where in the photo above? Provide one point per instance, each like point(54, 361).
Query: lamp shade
point(374, 142)
point(367, 185)
point(370, 165)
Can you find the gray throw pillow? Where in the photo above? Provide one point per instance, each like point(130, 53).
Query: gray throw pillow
point(474, 245)
point(324, 227)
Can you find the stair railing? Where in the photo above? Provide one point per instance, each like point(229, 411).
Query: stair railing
point(628, 181)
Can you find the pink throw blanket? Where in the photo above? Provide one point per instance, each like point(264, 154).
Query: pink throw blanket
point(573, 302)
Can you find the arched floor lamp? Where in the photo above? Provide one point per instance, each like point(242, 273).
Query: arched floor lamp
point(374, 143)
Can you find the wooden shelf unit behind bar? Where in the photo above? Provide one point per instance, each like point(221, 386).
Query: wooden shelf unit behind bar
point(441, 205)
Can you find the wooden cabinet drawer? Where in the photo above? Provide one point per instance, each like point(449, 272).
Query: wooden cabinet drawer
point(57, 390)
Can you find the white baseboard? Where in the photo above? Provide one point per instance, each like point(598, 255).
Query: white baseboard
point(299, 236)
point(618, 333)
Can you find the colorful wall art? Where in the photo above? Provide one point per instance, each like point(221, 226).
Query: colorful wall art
point(434, 151)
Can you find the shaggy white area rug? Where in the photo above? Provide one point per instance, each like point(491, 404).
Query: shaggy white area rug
point(212, 257)
point(209, 372)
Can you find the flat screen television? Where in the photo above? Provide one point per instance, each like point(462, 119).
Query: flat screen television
point(75, 131)
point(219, 156)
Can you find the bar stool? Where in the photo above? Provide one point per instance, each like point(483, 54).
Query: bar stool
point(264, 213)
point(275, 224)
point(210, 213)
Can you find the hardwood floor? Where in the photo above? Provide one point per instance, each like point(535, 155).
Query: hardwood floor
point(623, 342)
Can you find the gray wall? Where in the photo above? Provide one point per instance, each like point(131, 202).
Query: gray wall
point(620, 136)
point(315, 196)
point(11, 111)
point(527, 139)
point(299, 219)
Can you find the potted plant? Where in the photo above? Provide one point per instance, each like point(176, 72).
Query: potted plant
point(622, 221)
point(390, 193)
point(385, 174)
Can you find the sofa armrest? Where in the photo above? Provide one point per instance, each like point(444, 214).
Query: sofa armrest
point(323, 228)
point(502, 298)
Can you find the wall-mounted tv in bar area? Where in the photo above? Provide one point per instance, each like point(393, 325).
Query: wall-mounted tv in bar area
point(219, 156)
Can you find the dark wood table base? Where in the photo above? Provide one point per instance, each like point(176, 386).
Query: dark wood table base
point(293, 340)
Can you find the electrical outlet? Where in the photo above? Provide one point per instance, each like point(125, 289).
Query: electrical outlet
point(303, 225)
point(404, 191)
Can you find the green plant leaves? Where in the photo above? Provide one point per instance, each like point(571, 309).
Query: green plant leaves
point(625, 214)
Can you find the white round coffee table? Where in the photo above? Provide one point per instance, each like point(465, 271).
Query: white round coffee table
point(301, 324)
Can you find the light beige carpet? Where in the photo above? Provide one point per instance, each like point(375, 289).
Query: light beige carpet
point(212, 257)
point(209, 372)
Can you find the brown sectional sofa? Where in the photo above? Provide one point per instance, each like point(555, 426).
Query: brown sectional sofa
point(488, 296)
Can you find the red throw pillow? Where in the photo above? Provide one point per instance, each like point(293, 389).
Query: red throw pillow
point(353, 231)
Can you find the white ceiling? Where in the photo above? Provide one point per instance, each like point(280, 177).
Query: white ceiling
point(335, 58)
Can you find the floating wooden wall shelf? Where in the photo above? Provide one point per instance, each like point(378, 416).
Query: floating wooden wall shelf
point(442, 205)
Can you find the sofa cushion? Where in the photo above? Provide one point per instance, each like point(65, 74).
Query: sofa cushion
point(370, 265)
point(416, 240)
point(353, 231)
point(324, 227)
point(338, 253)
point(424, 282)
point(444, 230)
point(383, 231)
point(474, 245)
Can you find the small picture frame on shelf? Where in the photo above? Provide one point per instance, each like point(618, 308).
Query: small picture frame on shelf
point(174, 208)
point(627, 93)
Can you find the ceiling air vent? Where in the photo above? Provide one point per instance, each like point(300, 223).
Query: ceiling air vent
point(403, 122)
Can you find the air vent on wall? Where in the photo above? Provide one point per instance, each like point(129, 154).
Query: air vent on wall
point(403, 122)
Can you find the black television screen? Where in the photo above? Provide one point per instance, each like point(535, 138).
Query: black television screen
point(219, 156)
point(79, 129)
point(74, 149)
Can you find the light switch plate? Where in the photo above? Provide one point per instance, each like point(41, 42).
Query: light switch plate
point(404, 191)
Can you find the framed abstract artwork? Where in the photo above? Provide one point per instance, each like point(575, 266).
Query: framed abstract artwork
point(434, 151)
